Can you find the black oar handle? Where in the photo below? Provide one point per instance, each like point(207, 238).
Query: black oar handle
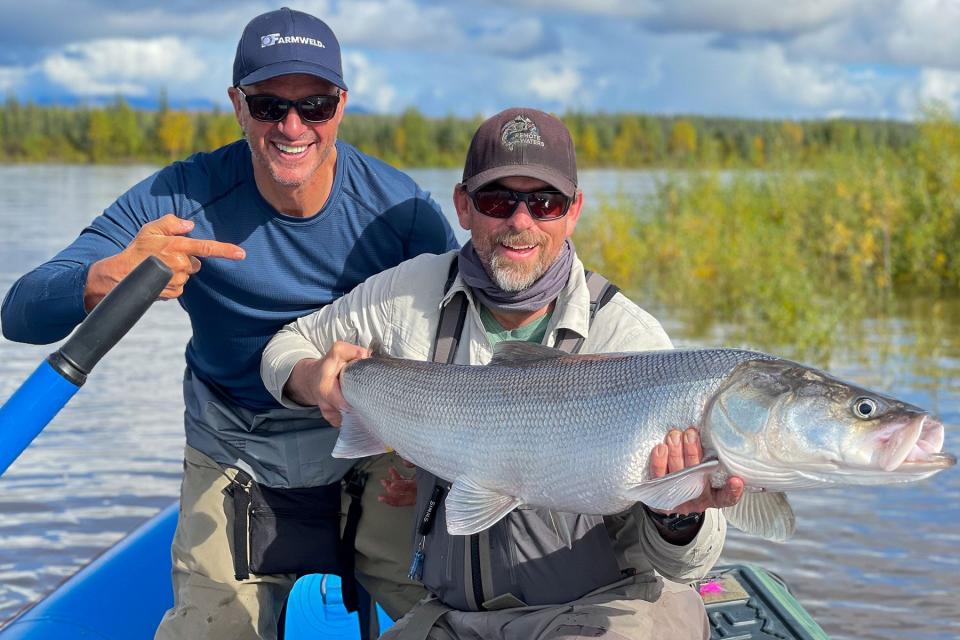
point(116, 314)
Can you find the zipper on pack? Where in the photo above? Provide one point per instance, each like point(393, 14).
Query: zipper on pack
point(475, 572)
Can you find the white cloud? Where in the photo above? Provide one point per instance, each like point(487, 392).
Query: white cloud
point(934, 86)
point(390, 24)
point(368, 84)
point(809, 59)
point(924, 32)
point(807, 85)
point(898, 32)
point(223, 21)
point(517, 37)
point(732, 57)
point(619, 8)
point(748, 16)
point(10, 77)
point(686, 75)
point(47, 24)
point(721, 16)
point(904, 33)
point(129, 67)
point(551, 79)
point(558, 83)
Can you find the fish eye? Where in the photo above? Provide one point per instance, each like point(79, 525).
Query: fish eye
point(864, 407)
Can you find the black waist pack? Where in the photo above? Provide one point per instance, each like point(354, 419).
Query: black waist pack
point(284, 530)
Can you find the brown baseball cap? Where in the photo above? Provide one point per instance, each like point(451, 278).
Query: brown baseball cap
point(522, 142)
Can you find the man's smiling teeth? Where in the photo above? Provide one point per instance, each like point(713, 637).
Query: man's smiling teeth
point(288, 149)
point(521, 248)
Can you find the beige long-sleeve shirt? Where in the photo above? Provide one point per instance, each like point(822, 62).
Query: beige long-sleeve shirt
point(399, 311)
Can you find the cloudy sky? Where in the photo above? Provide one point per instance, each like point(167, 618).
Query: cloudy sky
point(751, 58)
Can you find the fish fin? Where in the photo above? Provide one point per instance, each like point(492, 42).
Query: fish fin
point(516, 353)
point(766, 514)
point(356, 439)
point(472, 508)
point(676, 488)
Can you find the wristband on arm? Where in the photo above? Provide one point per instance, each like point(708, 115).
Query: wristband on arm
point(676, 528)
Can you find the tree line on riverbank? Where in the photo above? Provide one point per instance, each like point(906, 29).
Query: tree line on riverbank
point(842, 220)
point(119, 133)
point(795, 257)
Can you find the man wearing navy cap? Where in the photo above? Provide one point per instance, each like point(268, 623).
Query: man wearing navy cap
point(257, 233)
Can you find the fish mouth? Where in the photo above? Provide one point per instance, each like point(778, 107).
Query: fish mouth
point(913, 446)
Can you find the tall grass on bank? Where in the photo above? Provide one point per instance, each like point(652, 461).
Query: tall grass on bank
point(789, 255)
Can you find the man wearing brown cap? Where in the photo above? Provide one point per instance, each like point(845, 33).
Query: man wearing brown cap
point(517, 279)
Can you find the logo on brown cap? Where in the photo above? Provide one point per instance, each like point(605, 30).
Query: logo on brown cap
point(520, 130)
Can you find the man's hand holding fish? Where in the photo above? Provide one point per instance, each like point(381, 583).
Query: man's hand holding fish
point(317, 380)
point(684, 449)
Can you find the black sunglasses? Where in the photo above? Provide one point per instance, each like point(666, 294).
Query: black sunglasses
point(500, 202)
point(267, 108)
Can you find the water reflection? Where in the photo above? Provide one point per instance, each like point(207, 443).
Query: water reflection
point(868, 563)
point(872, 562)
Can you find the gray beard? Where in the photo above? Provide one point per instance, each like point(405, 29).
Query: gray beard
point(513, 280)
point(475, 271)
point(509, 277)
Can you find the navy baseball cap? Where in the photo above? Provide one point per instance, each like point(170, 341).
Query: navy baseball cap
point(285, 41)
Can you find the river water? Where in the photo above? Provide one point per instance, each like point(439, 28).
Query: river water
point(867, 563)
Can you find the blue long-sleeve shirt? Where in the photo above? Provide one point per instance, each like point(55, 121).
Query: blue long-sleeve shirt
point(375, 218)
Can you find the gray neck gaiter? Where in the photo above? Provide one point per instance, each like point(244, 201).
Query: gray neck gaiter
point(538, 295)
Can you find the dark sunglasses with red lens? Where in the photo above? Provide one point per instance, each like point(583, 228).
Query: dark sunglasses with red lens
point(267, 108)
point(500, 202)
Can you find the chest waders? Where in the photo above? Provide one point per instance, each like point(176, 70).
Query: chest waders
point(473, 588)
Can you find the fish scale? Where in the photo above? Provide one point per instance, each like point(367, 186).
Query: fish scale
point(574, 433)
point(560, 437)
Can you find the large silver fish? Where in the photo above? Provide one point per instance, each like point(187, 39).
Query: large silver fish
point(574, 433)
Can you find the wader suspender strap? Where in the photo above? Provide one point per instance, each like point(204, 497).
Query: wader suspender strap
point(239, 492)
point(445, 345)
point(353, 484)
point(452, 319)
point(601, 292)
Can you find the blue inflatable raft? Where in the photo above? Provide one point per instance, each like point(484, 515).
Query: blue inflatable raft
point(123, 593)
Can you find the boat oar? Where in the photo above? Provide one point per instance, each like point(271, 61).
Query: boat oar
point(60, 376)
